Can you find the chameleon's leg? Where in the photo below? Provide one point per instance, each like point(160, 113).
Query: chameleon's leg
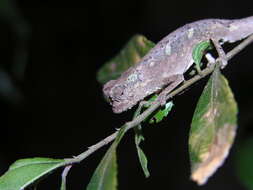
point(174, 81)
point(137, 113)
point(222, 55)
point(140, 106)
point(197, 67)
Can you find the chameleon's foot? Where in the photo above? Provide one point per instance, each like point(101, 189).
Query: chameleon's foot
point(175, 81)
point(192, 73)
point(198, 69)
point(222, 55)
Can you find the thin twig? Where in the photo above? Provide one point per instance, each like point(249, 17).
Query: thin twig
point(64, 176)
point(92, 149)
point(136, 121)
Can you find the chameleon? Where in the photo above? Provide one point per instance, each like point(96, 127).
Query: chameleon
point(163, 67)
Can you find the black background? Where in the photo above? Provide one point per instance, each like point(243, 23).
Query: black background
point(64, 112)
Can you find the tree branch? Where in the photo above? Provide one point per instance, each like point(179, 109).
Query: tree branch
point(156, 104)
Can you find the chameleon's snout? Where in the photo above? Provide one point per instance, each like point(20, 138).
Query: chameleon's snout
point(114, 94)
point(118, 96)
point(107, 87)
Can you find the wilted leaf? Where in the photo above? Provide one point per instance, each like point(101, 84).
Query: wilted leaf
point(141, 155)
point(162, 113)
point(244, 163)
point(105, 176)
point(25, 172)
point(131, 53)
point(213, 128)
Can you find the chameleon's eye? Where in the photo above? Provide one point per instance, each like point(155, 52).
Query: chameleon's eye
point(222, 41)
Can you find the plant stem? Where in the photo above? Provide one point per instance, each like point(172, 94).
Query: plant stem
point(64, 175)
point(137, 120)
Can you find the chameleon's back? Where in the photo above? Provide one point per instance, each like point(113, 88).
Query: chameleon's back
point(178, 45)
point(240, 29)
point(170, 57)
point(174, 51)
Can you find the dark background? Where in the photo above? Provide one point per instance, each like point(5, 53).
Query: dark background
point(57, 108)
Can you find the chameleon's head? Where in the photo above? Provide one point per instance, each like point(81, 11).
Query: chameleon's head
point(131, 87)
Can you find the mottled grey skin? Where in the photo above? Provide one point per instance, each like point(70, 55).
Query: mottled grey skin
point(166, 63)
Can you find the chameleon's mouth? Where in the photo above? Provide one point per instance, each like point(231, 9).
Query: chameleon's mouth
point(120, 106)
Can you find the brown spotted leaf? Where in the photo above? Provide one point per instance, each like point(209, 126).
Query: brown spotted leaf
point(131, 53)
point(213, 128)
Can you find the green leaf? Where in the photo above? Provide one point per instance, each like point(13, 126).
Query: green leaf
point(213, 128)
point(141, 155)
point(105, 176)
point(244, 164)
point(162, 113)
point(131, 53)
point(25, 172)
point(199, 51)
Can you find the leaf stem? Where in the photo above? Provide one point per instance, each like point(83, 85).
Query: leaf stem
point(64, 175)
point(137, 120)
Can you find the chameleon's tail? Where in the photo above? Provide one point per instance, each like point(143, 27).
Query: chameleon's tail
point(240, 28)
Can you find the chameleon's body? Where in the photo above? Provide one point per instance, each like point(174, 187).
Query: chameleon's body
point(166, 63)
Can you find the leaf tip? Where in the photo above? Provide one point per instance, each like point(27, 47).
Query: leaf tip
point(215, 157)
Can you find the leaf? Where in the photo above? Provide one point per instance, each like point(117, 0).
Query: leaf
point(213, 128)
point(105, 176)
point(244, 164)
point(132, 52)
point(25, 172)
point(198, 52)
point(141, 155)
point(139, 137)
point(161, 113)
